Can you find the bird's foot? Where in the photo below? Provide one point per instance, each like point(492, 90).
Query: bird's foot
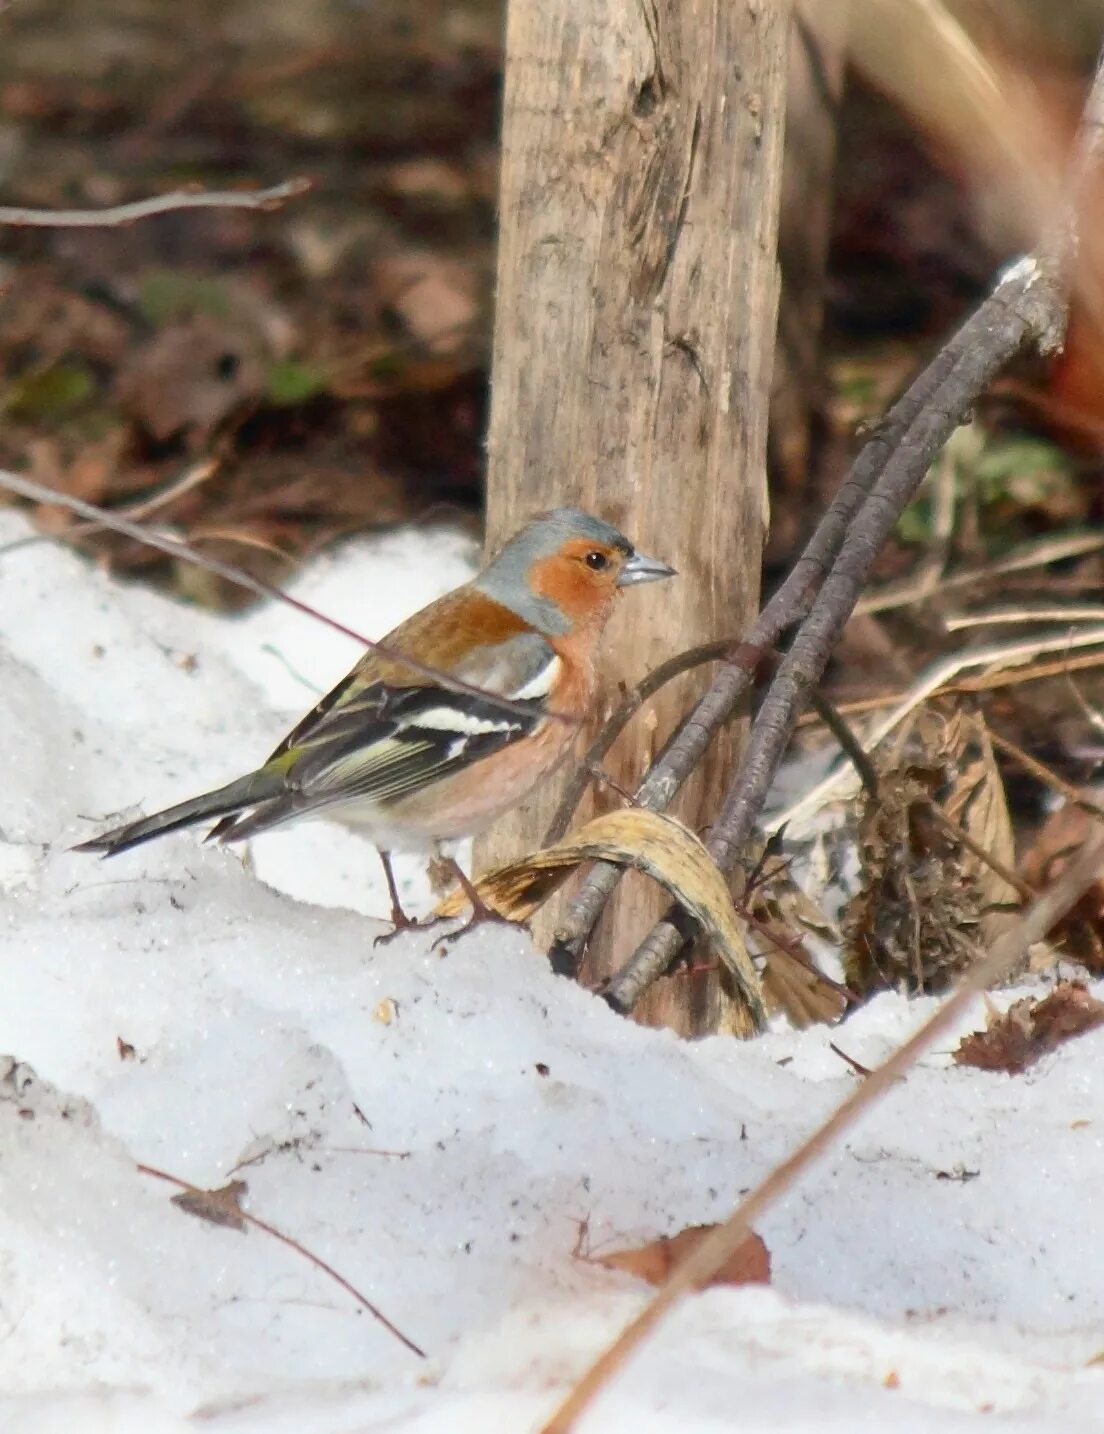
point(401, 924)
point(481, 913)
point(480, 916)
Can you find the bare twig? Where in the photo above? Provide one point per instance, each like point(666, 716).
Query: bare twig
point(625, 710)
point(183, 552)
point(293, 1244)
point(1042, 773)
point(1032, 555)
point(119, 214)
point(937, 677)
point(1026, 304)
point(1019, 617)
point(991, 681)
point(720, 1244)
point(145, 507)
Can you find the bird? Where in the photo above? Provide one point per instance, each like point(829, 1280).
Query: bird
point(503, 672)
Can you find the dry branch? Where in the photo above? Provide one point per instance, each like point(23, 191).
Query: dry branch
point(1026, 303)
point(119, 214)
point(184, 552)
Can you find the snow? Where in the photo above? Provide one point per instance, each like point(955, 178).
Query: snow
point(437, 1126)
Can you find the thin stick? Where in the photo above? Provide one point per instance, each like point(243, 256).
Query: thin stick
point(1019, 616)
point(119, 214)
point(1044, 774)
point(988, 682)
point(1039, 672)
point(144, 508)
point(723, 1241)
point(39, 493)
point(1034, 555)
point(625, 710)
point(1026, 303)
point(315, 1260)
point(936, 678)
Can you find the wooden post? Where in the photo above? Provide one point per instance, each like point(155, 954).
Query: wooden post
point(634, 332)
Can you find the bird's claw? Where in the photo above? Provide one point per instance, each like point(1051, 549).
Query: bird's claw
point(400, 925)
point(481, 915)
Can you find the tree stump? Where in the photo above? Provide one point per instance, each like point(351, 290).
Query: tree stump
point(634, 333)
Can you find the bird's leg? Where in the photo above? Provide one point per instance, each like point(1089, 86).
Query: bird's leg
point(399, 919)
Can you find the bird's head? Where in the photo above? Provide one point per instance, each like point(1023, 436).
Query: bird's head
point(565, 567)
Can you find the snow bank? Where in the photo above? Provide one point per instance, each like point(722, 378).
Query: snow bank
point(436, 1126)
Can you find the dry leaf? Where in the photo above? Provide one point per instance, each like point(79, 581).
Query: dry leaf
point(976, 802)
point(749, 1265)
point(791, 982)
point(218, 1207)
point(1063, 834)
point(1030, 1029)
point(663, 849)
point(927, 903)
point(189, 377)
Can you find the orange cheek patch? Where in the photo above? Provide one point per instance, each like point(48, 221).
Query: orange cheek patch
point(574, 589)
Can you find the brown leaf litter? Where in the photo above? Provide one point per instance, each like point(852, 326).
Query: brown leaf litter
point(749, 1265)
point(1031, 1029)
point(926, 901)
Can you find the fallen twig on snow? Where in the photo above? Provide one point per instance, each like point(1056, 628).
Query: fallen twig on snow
point(726, 1238)
point(202, 1201)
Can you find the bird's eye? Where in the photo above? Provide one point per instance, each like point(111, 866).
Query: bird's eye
point(598, 562)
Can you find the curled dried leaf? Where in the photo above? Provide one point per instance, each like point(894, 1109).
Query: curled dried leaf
point(1080, 933)
point(1030, 1029)
point(660, 847)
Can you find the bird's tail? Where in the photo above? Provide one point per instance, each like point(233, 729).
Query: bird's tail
point(257, 788)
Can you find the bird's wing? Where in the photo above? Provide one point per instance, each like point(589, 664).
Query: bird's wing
point(383, 740)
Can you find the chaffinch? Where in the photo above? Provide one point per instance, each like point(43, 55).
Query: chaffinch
point(412, 762)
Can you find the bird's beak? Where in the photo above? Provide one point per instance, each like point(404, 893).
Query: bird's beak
point(642, 569)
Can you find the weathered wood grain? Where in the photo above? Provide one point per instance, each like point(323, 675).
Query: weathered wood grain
point(636, 307)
